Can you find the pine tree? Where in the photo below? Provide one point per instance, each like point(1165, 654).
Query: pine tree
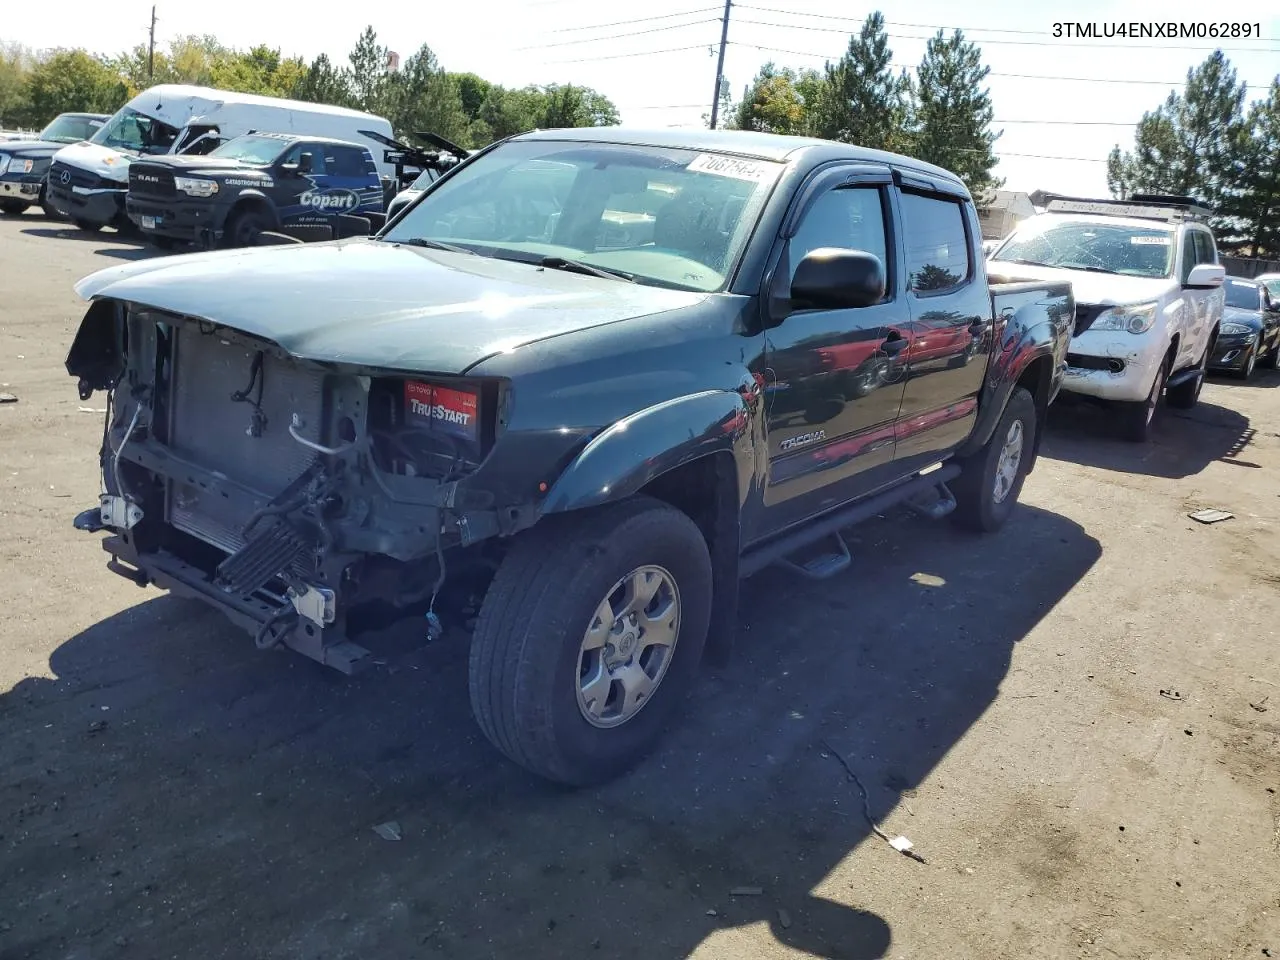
point(861, 100)
point(772, 103)
point(952, 108)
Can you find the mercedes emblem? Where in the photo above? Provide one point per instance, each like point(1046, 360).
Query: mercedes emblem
point(66, 176)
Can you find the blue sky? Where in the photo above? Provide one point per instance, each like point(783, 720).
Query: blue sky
point(543, 41)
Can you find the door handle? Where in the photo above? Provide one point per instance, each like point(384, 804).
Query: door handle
point(893, 343)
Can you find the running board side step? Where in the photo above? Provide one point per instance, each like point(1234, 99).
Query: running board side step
point(919, 486)
point(822, 565)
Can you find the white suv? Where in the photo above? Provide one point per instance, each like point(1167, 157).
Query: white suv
point(1148, 290)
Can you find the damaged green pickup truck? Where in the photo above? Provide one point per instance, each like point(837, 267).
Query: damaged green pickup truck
point(595, 378)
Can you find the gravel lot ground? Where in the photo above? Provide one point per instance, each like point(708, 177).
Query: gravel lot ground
point(168, 791)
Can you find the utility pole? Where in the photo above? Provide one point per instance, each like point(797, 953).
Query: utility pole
point(151, 47)
point(724, 40)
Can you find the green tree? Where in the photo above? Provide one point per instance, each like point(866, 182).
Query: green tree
point(369, 75)
point(69, 80)
point(952, 114)
point(16, 62)
point(1190, 143)
point(1249, 202)
point(325, 83)
point(425, 98)
point(862, 101)
point(1118, 174)
point(472, 89)
point(571, 106)
point(772, 104)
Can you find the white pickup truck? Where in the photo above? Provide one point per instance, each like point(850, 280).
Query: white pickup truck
point(1149, 296)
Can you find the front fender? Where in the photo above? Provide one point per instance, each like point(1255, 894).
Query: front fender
point(620, 460)
point(1034, 323)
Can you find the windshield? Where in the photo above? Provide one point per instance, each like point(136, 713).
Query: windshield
point(70, 129)
point(252, 149)
point(1273, 287)
point(131, 131)
point(1053, 241)
point(424, 180)
point(1245, 296)
point(671, 218)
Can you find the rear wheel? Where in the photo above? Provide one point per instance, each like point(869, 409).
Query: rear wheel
point(990, 482)
point(588, 638)
point(1138, 418)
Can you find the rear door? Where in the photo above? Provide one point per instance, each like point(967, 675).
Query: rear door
point(831, 394)
point(352, 168)
point(950, 320)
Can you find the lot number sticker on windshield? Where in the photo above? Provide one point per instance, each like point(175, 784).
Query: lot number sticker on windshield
point(734, 167)
point(1150, 241)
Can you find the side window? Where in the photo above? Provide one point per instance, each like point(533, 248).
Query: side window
point(317, 157)
point(346, 162)
point(1204, 248)
point(1188, 255)
point(937, 243)
point(848, 217)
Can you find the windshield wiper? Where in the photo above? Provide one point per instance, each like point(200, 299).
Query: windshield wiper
point(1025, 263)
point(1087, 269)
point(435, 245)
point(577, 266)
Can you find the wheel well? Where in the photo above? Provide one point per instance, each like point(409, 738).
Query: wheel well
point(256, 204)
point(1037, 379)
point(706, 490)
point(1173, 350)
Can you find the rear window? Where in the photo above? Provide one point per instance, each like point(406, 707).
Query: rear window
point(937, 243)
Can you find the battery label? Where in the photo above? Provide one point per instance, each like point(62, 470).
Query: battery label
point(440, 408)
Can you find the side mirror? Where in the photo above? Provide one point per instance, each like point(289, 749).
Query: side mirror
point(1206, 276)
point(289, 169)
point(831, 278)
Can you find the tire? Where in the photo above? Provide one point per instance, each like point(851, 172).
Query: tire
point(988, 487)
point(13, 208)
point(161, 243)
point(1137, 418)
point(86, 226)
point(1186, 395)
point(1245, 372)
point(244, 227)
point(1272, 360)
point(528, 656)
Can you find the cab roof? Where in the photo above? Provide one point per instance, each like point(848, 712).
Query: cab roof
point(744, 143)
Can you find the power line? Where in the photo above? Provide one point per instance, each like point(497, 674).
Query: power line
point(646, 53)
point(935, 26)
point(621, 36)
point(993, 73)
point(1020, 43)
point(623, 23)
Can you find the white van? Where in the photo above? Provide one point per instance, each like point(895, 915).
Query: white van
point(88, 180)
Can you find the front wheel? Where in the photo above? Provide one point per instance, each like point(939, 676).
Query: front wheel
point(13, 207)
point(1187, 394)
point(1245, 372)
point(87, 226)
point(1137, 418)
point(990, 482)
point(244, 228)
point(588, 638)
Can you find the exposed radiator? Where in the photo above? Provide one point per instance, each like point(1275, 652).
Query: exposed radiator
point(214, 431)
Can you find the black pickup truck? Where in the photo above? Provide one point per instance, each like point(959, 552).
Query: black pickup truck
point(594, 378)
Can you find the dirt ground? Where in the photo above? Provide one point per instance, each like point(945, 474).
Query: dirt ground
point(168, 791)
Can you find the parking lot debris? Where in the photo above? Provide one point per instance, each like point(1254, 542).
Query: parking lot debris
point(901, 844)
point(8, 398)
point(747, 892)
point(1172, 695)
point(1261, 705)
point(784, 920)
point(388, 831)
point(1211, 516)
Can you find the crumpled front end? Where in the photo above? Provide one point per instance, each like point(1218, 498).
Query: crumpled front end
point(290, 494)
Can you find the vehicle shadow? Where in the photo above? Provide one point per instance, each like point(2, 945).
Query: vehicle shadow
point(1261, 378)
point(1183, 442)
point(179, 787)
point(69, 231)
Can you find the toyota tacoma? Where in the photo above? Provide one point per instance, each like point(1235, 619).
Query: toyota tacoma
point(594, 377)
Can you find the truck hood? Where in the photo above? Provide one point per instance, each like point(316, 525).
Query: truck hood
point(105, 162)
point(200, 164)
point(31, 149)
point(376, 304)
point(1094, 288)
